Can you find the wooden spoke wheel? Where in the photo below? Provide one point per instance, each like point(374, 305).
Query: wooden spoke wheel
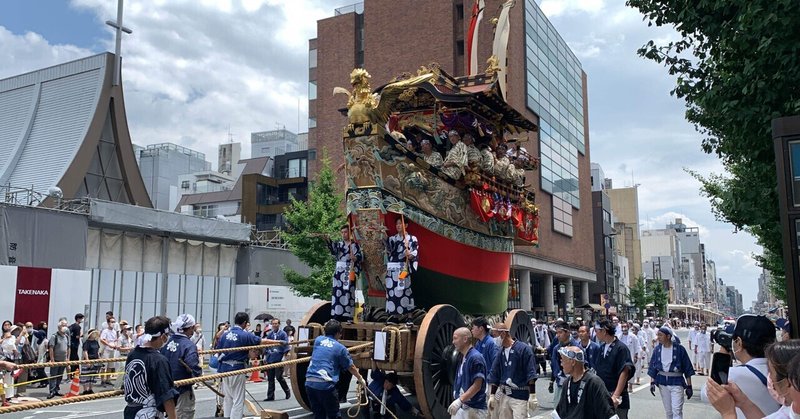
point(320, 313)
point(436, 360)
point(520, 326)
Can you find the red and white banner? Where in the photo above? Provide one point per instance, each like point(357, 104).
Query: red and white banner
point(43, 294)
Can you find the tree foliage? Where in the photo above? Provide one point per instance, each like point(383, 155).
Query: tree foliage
point(306, 221)
point(737, 67)
point(657, 294)
point(638, 295)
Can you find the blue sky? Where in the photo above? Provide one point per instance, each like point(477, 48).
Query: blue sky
point(57, 21)
point(192, 70)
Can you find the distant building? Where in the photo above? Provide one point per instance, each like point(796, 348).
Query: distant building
point(259, 196)
point(625, 206)
point(604, 243)
point(273, 143)
point(161, 166)
point(229, 156)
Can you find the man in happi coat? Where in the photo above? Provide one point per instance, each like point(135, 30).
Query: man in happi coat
point(456, 158)
point(347, 254)
point(402, 251)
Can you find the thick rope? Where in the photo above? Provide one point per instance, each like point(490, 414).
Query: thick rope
point(179, 383)
point(123, 359)
point(354, 410)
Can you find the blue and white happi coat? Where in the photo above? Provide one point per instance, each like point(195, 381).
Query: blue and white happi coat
point(399, 298)
point(680, 364)
point(343, 297)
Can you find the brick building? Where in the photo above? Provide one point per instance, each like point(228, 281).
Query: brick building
point(545, 83)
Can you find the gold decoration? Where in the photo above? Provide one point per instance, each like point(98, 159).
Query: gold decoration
point(361, 101)
point(493, 66)
point(407, 95)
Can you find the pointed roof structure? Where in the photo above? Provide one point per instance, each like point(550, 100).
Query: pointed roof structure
point(65, 126)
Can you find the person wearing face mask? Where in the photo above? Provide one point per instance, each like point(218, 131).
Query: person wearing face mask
point(109, 338)
point(751, 336)
point(149, 388)
point(784, 370)
point(75, 336)
point(58, 347)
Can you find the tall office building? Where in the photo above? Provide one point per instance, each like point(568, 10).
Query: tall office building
point(161, 166)
point(272, 143)
point(545, 83)
point(228, 158)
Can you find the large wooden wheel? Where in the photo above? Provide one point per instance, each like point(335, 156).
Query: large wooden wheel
point(520, 326)
point(320, 313)
point(436, 360)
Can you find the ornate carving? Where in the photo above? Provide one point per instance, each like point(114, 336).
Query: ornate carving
point(492, 66)
point(361, 101)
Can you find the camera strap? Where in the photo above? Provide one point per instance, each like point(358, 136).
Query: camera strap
point(757, 373)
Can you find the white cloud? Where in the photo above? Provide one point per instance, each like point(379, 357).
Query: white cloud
point(660, 221)
point(553, 8)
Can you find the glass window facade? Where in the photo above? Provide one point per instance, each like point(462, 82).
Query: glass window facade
point(555, 93)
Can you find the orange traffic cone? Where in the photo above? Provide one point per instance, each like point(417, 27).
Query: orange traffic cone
point(75, 387)
point(255, 377)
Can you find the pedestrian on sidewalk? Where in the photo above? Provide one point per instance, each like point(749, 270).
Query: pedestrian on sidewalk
point(91, 350)
point(75, 336)
point(671, 371)
point(148, 385)
point(58, 347)
point(275, 355)
point(703, 348)
point(109, 337)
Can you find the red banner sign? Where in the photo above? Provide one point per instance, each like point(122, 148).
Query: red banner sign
point(32, 295)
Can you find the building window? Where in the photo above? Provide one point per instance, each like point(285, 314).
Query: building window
point(297, 168)
point(562, 216)
point(312, 123)
point(554, 90)
point(312, 58)
point(312, 90)
point(265, 221)
point(606, 216)
point(460, 47)
point(186, 184)
point(208, 210)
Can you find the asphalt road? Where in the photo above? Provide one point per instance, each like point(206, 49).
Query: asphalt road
point(643, 405)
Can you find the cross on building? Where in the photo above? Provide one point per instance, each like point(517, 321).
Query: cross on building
point(118, 26)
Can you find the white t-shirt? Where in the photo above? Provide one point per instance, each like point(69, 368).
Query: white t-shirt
point(750, 385)
point(110, 336)
point(666, 357)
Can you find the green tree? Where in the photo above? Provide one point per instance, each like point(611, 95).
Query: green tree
point(737, 67)
point(307, 222)
point(638, 295)
point(658, 296)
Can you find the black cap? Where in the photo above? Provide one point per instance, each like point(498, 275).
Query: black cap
point(755, 330)
point(392, 378)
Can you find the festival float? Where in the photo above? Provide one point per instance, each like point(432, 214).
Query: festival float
point(467, 225)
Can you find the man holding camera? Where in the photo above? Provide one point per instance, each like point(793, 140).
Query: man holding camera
point(750, 338)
